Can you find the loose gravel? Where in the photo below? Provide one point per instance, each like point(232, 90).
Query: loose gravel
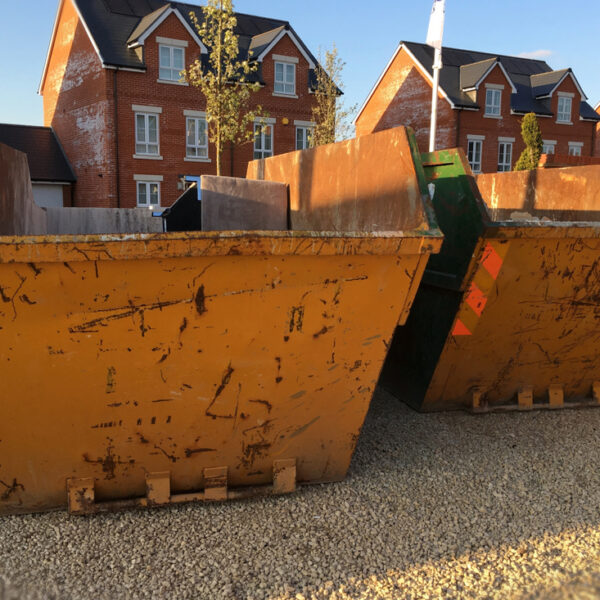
point(435, 506)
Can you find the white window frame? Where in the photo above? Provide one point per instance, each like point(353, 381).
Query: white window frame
point(505, 154)
point(145, 142)
point(307, 132)
point(145, 181)
point(493, 108)
point(564, 114)
point(474, 142)
point(259, 138)
point(196, 152)
point(575, 148)
point(173, 75)
point(548, 146)
point(287, 64)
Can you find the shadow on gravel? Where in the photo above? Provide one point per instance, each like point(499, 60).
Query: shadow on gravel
point(445, 505)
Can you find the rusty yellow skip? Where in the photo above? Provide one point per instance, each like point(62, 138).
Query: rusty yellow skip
point(506, 317)
point(149, 369)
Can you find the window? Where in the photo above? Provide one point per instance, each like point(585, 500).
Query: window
point(504, 156)
point(148, 194)
point(196, 138)
point(303, 137)
point(492, 102)
point(575, 148)
point(171, 63)
point(548, 146)
point(146, 134)
point(285, 78)
point(474, 154)
point(263, 140)
point(564, 109)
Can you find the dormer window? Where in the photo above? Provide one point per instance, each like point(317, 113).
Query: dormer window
point(171, 62)
point(493, 98)
point(565, 105)
point(285, 75)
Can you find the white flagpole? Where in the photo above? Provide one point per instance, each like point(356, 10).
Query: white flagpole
point(437, 67)
point(434, 39)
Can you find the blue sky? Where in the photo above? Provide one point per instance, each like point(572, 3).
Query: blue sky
point(366, 35)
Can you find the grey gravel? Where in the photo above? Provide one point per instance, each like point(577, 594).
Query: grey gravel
point(435, 506)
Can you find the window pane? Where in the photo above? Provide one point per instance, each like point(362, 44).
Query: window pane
point(152, 129)
point(278, 71)
point(299, 138)
point(191, 132)
point(268, 135)
point(140, 128)
point(154, 193)
point(142, 194)
point(289, 74)
point(178, 58)
point(202, 132)
point(257, 139)
point(164, 73)
point(165, 56)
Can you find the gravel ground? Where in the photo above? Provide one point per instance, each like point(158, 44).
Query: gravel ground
point(435, 506)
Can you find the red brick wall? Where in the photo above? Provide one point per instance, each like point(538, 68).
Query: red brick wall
point(78, 102)
point(403, 97)
point(79, 108)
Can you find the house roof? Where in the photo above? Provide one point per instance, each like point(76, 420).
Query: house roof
point(47, 160)
point(462, 69)
point(116, 25)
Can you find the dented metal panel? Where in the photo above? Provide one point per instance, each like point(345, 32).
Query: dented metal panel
point(507, 316)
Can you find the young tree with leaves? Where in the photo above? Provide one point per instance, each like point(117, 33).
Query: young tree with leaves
point(532, 136)
point(329, 114)
point(225, 80)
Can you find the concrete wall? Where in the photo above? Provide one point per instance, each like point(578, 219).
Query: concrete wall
point(18, 213)
point(86, 221)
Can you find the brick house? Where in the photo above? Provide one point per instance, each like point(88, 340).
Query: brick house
point(134, 132)
point(482, 100)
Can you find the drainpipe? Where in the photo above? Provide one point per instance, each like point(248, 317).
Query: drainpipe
point(116, 134)
point(459, 111)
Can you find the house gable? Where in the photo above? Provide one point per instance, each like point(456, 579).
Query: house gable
point(283, 32)
point(402, 96)
point(149, 24)
point(401, 60)
point(474, 74)
point(66, 23)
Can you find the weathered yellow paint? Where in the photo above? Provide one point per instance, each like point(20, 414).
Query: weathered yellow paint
point(127, 356)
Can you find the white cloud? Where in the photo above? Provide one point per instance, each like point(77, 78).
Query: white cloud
point(537, 54)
